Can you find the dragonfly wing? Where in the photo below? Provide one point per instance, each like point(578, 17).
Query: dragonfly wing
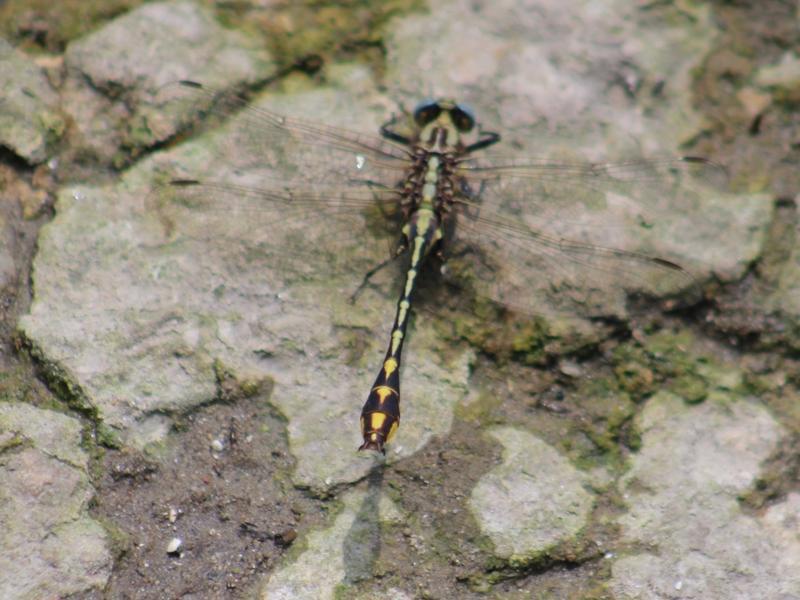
point(531, 268)
point(602, 201)
point(594, 229)
point(309, 199)
point(282, 147)
point(299, 233)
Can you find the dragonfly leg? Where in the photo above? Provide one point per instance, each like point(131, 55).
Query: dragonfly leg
point(485, 139)
point(369, 183)
point(471, 209)
point(387, 131)
point(401, 249)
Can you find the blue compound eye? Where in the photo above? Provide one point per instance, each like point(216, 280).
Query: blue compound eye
point(426, 112)
point(463, 117)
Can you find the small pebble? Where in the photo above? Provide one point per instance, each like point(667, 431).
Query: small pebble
point(570, 368)
point(174, 546)
point(217, 445)
point(286, 537)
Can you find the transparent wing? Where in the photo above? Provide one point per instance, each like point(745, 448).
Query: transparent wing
point(295, 149)
point(565, 195)
point(548, 237)
point(311, 200)
point(533, 272)
point(300, 233)
point(306, 198)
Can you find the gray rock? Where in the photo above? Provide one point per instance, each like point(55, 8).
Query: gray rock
point(49, 546)
point(137, 306)
point(784, 74)
point(785, 297)
point(682, 490)
point(173, 305)
point(114, 73)
point(330, 559)
point(8, 263)
point(532, 502)
point(570, 83)
point(29, 119)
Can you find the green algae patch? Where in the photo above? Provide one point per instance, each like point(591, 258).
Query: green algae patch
point(49, 26)
point(633, 372)
point(606, 412)
point(118, 541)
point(661, 360)
point(479, 408)
point(106, 436)
point(528, 341)
point(12, 442)
point(670, 361)
point(18, 384)
point(60, 381)
point(505, 336)
point(232, 386)
point(302, 32)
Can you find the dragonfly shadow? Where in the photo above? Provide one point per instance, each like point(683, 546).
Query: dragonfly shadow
point(362, 545)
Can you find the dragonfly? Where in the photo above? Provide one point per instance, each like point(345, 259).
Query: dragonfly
point(497, 226)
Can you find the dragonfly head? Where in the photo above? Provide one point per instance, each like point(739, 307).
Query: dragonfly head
point(444, 113)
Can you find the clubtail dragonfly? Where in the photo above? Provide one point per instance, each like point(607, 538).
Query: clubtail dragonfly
point(500, 221)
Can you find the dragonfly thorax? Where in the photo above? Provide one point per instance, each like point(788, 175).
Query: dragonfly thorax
point(429, 184)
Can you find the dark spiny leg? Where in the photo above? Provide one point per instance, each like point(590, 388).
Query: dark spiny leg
point(401, 249)
point(390, 134)
point(484, 142)
point(466, 190)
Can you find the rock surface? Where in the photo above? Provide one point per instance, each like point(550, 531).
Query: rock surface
point(29, 119)
point(682, 490)
point(143, 313)
point(532, 501)
point(49, 546)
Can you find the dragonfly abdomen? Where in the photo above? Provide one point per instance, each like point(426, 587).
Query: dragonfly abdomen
point(380, 416)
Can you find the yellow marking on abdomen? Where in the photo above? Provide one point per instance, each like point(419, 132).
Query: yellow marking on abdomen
point(376, 420)
point(392, 431)
point(383, 392)
point(389, 367)
point(402, 313)
point(411, 275)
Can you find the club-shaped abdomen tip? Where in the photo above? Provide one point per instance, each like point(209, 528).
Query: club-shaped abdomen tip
point(378, 428)
point(373, 442)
